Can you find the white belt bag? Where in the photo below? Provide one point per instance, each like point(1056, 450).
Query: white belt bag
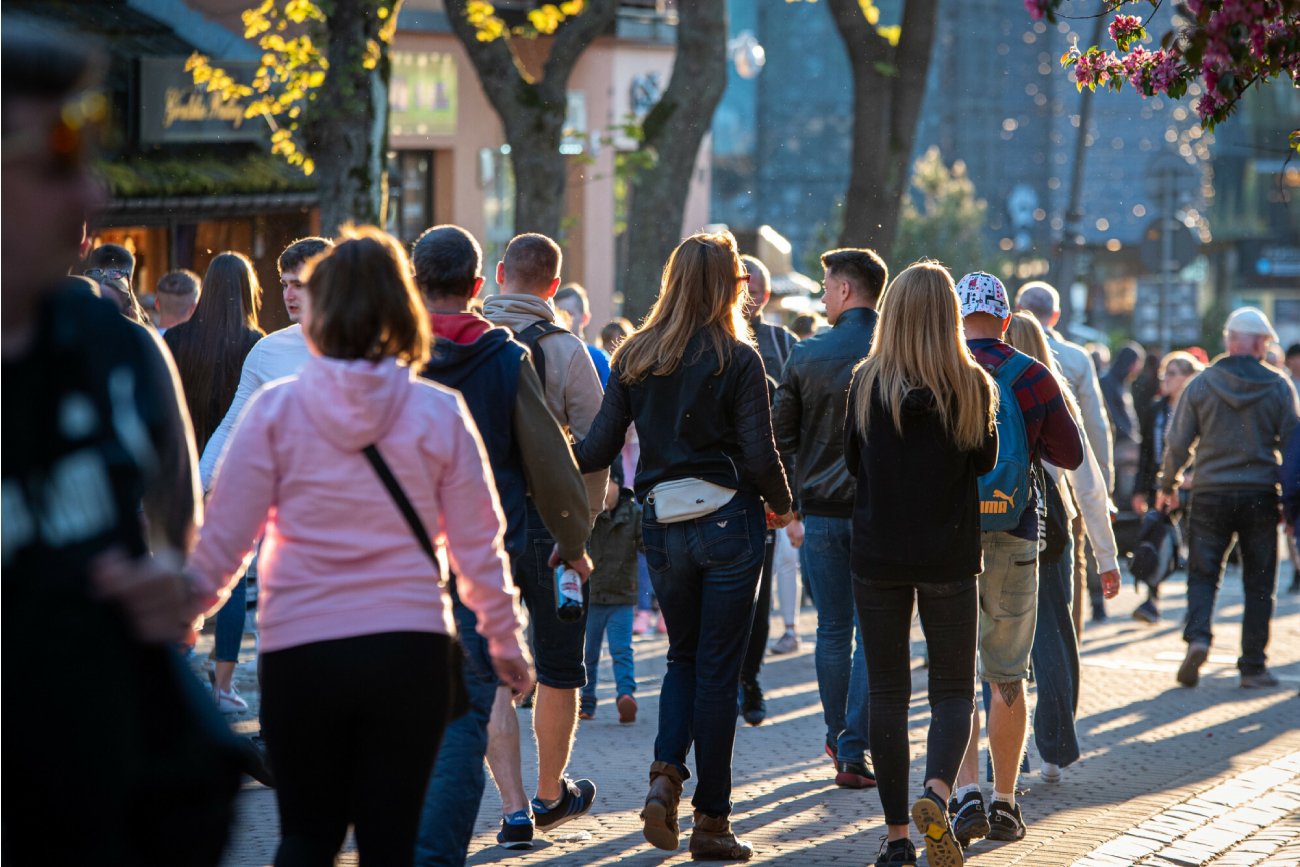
point(684, 499)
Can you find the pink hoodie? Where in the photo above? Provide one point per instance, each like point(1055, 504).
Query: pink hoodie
point(338, 560)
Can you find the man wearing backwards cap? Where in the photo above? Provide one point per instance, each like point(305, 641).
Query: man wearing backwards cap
point(1237, 414)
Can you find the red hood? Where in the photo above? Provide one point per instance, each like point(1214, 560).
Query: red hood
point(461, 328)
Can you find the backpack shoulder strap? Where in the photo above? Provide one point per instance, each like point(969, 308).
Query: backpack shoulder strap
point(1012, 368)
point(530, 337)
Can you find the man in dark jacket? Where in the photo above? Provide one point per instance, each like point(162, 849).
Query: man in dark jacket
point(529, 455)
point(1238, 414)
point(808, 421)
point(1126, 434)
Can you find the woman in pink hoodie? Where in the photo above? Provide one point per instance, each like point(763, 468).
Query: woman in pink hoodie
point(357, 657)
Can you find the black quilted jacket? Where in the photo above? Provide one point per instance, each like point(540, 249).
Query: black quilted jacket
point(694, 423)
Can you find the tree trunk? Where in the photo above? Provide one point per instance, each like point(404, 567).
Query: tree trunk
point(674, 129)
point(346, 126)
point(533, 110)
point(888, 86)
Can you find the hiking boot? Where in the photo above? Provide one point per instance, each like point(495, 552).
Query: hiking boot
point(1005, 822)
point(713, 840)
point(660, 813)
point(516, 831)
point(969, 820)
point(855, 775)
point(1264, 679)
point(626, 709)
point(577, 799)
point(1147, 612)
point(896, 853)
point(787, 643)
point(752, 705)
point(1189, 673)
point(931, 819)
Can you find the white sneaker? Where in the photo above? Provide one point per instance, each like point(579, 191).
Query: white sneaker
point(1050, 773)
point(229, 701)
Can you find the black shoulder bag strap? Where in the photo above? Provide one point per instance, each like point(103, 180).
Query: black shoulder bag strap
point(457, 694)
point(531, 337)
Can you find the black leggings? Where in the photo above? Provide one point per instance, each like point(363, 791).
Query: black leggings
point(352, 727)
point(950, 618)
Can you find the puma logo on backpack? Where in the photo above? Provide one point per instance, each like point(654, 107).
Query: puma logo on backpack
point(1000, 511)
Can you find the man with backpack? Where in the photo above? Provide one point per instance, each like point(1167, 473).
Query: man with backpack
point(529, 455)
point(1034, 425)
point(529, 275)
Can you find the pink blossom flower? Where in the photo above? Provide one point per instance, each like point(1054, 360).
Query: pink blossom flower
point(1125, 28)
point(1036, 9)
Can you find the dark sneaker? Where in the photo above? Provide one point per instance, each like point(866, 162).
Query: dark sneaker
point(1189, 673)
point(896, 853)
point(1147, 612)
point(1005, 822)
point(969, 820)
point(855, 775)
point(830, 751)
point(931, 819)
point(752, 705)
point(516, 831)
point(578, 797)
point(1258, 680)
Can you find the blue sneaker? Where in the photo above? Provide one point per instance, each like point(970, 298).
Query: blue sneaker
point(516, 831)
point(578, 797)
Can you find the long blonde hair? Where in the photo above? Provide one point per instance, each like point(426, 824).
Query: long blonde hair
point(702, 290)
point(1026, 334)
point(918, 345)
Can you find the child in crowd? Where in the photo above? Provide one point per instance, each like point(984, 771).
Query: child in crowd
point(614, 543)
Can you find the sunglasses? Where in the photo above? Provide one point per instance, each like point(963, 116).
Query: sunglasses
point(743, 278)
point(100, 275)
point(68, 141)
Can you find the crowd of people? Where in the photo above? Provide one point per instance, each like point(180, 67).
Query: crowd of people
point(454, 500)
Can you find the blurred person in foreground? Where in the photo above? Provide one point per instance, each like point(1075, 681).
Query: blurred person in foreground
point(1235, 417)
point(120, 759)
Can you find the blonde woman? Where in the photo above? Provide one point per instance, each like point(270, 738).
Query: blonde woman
point(920, 431)
point(692, 381)
point(1055, 652)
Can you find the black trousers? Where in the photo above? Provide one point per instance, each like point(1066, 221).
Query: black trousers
point(758, 635)
point(352, 727)
point(950, 618)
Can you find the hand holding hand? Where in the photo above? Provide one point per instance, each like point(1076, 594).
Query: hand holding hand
point(776, 522)
point(794, 532)
point(154, 594)
point(1140, 504)
point(1110, 583)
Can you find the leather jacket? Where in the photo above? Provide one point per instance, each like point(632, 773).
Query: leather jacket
point(809, 409)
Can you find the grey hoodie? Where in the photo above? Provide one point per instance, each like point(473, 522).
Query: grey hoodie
point(1237, 415)
point(572, 387)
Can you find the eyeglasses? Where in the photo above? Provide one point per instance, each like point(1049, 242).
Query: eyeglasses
point(99, 275)
point(67, 141)
point(743, 278)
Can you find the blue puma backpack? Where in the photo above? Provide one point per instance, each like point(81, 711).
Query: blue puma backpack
point(1004, 490)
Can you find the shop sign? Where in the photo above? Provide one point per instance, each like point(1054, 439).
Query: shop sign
point(173, 109)
point(422, 93)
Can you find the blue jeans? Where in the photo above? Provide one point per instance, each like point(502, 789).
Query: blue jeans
point(456, 785)
point(1056, 662)
point(230, 623)
point(705, 573)
point(841, 669)
point(645, 591)
point(616, 622)
point(1214, 517)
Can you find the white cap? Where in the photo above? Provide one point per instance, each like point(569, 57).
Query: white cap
point(1250, 320)
point(983, 293)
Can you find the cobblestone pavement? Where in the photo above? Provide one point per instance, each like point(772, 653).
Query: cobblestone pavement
point(1169, 776)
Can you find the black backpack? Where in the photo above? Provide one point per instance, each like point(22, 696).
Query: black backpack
point(1156, 556)
point(530, 337)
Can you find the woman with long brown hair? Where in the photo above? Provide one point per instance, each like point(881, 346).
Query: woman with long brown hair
point(920, 431)
point(210, 350)
point(692, 381)
point(363, 479)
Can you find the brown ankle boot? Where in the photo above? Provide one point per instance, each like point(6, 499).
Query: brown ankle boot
point(660, 813)
point(713, 840)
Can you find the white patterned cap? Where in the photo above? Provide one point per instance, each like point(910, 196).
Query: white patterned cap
point(983, 293)
point(1250, 320)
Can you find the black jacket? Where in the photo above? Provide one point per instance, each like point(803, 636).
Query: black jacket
point(614, 542)
point(916, 515)
point(808, 413)
point(775, 342)
point(694, 423)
